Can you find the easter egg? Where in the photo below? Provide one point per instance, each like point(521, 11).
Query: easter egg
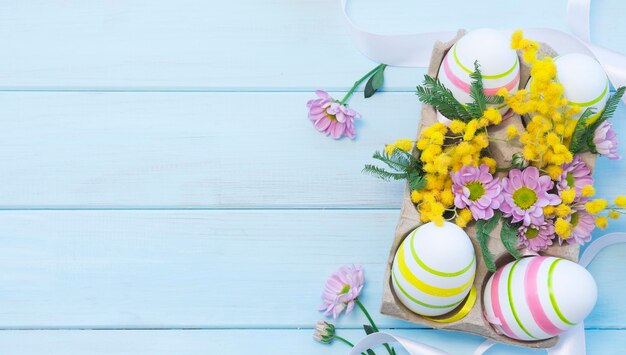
point(499, 65)
point(584, 81)
point(538, 297)
point(433, 269)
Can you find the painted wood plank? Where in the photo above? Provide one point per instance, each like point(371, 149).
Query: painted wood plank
point(156, 150)
point(207, 269)
point(253, 341)
point(203, 150)
point(247, 44)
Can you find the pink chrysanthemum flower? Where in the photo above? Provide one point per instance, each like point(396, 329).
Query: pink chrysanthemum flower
point(583, 224)
point(605, 141)
point(525, 195)
point(576, 174)
point(477, 189)
point(341, 289)
point(536, 238)
point(331, 117)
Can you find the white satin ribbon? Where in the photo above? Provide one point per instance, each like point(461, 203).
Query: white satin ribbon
point(414, 348)
point(571, 342)
point(414, 50)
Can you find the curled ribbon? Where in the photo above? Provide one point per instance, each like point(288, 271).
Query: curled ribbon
point(413, 50)
point(571, 342)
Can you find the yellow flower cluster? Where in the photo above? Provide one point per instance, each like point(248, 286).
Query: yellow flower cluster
point(443, 150)
point(402, 144)
point(562, 224)
point(551, 124)
point(463, 217)
point(563, 228)
point(597, 206)
point(529, 48)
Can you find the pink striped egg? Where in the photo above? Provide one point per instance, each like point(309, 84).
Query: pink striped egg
point(538, 297)
point(499, 64)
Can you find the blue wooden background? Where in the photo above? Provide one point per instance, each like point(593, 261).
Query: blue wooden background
point(162, 191)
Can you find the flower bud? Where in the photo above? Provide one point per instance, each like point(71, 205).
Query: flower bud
point(518, 161)
point(324, 332)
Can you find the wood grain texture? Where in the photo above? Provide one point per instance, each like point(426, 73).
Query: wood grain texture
point(158, 171)
point(185, 150)
point(203, 150)
point(247, 44)
point(254, 341)
point(206, 269)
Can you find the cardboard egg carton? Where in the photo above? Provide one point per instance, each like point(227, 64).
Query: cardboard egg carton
point(474, 322)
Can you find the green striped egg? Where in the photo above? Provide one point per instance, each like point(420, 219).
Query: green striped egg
point(584, 81)
point(538, 297)
point(433, 269)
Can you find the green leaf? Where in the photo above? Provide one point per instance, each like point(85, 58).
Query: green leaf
point(434, 93)
point(375, 82)
point(582, 139)
point(579, 141)
point(368, 329)
point(370, 352)
point(416, 181)
point(508, 235)
point(609, 109)
point(396, 161)
point(483, 228)
point(382, 173)
point(494, 100)
point(477, 93)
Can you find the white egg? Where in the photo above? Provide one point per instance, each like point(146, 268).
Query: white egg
point(538, 297)
point(433, 269)
point(584, 81)
point(498, 62)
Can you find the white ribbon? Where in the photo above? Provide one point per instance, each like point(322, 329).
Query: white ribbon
point(571, 342)
point(414, 50)
point(414, 348)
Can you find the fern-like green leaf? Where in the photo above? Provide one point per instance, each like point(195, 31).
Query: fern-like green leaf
point(416, 181)
point(578, 142)
point(508, 235)
point(394, 161)
point(483, 229)
point(609, 108)
point(382, 173)
point(477, 93)
point(403, 166)
point(434, 93)
point(494, 100)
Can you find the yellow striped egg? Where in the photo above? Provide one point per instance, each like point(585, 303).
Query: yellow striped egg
point(584, 81)
point(538, 297)
point(433, 269)
point(498, 62)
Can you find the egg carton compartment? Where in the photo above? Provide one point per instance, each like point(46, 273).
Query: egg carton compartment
point(474, 322)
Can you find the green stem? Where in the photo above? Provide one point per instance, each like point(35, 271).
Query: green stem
point(369, 318)
point(504, 169)
point(360, 81)
point(344, 340)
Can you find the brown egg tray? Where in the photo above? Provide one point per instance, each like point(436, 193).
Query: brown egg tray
point(474, 322)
